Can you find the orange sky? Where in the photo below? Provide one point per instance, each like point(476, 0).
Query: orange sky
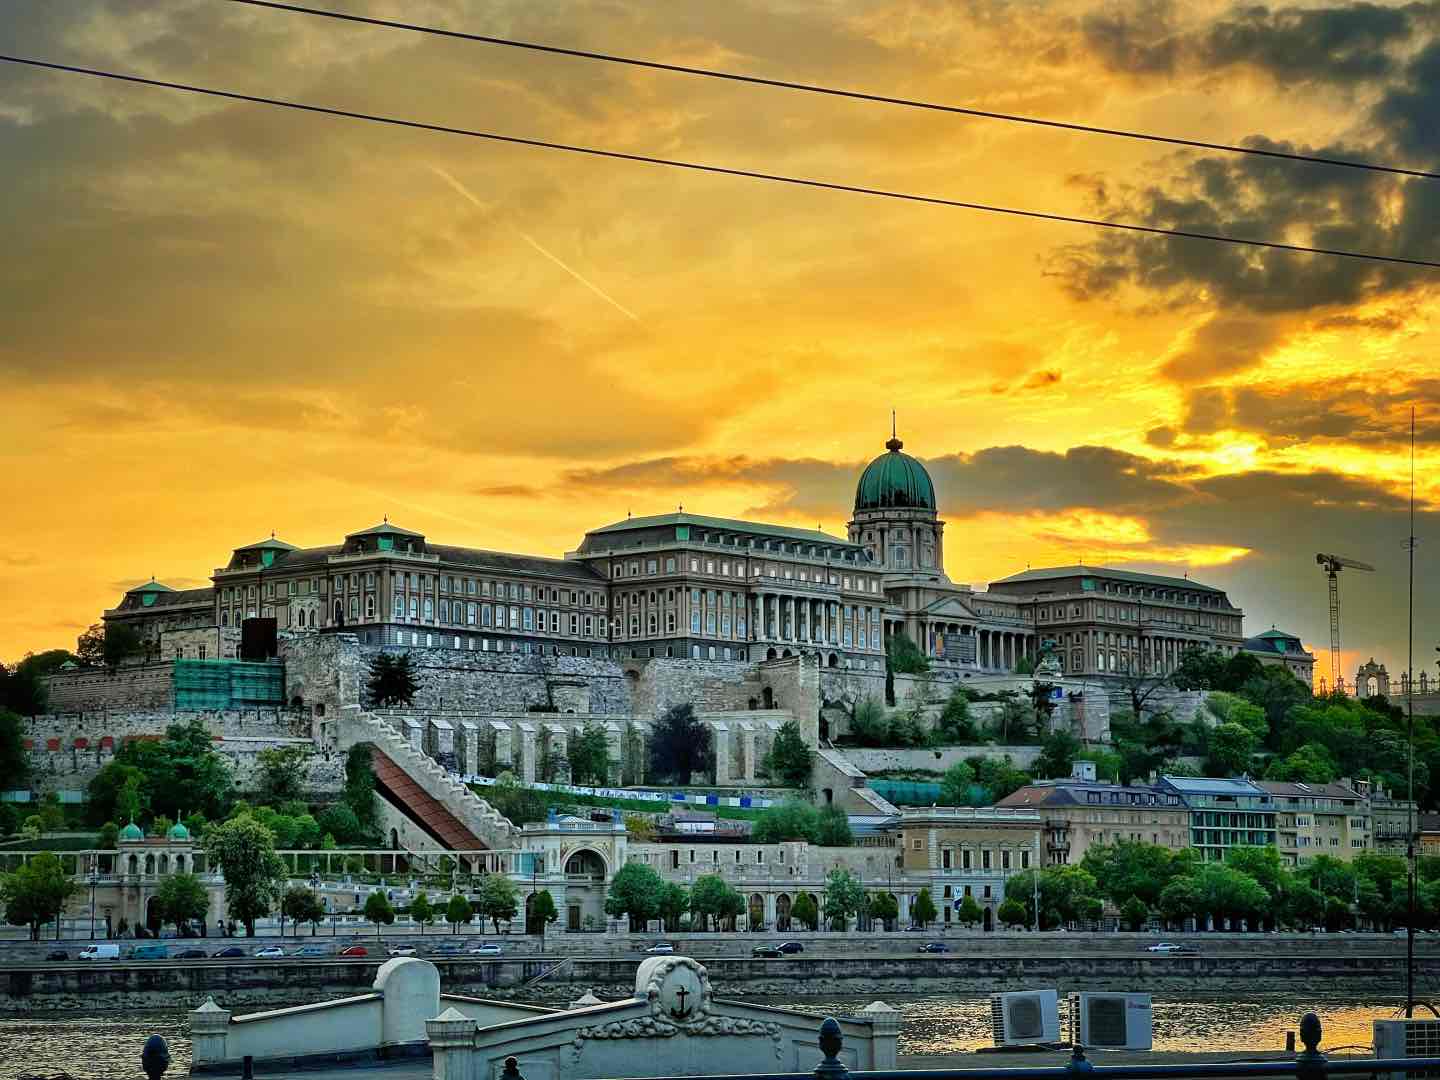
point(220, 319)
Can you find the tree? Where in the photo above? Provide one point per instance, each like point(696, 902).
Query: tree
point(805, 912)
point(957, 784)
point(955, 724)
point(515, 801)
point(244, 851)
point(340, 822)
point(589, 754)
point(1231, 749)
point(968, 913)
point(712, 898)
point(421, 911)
point(1230, 708)
point(674, 902)
point(640, 828)
point(52, 814)
point(1057, 755)
point(182, 771)
point(498, 899)
point(832, 828)
point(1134, 913)
point(181, 898)
point(36, 893)
point(109, 837)
point(457, 911)
point(90, 646)
point(998, 776)
point(869, 725)
point(903, 656)
point(789, 758)
point(1142, 688)
point(886, 908)
point(360, 785)
point(391, 681)
point(680, 747)
point(1311, 764)
point(379, 911)
point(1199, 668)
point(1130, 869)
point(14, 762)
point(635, 892)
point(923, 910)
point(1012, 914)
point(792, 819)
point(843, 898)
point(542, 912)
point(282, 772)
point(302, 905)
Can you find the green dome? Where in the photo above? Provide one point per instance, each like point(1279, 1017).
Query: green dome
point(894, 481)
point(131, 833)
point(179, 832)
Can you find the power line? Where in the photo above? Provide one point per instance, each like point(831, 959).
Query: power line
point(722, 170)
point(831, 91)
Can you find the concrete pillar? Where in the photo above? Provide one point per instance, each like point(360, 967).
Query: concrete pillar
point(558, 740)
point(745, 737)
point(615, 749)
point(884, 1033)
point(208, 1027)
point(467, 746)
point(504, 745)
point(720, 736)
point(452, 1042)
point(442, 742)
point(525, 752)
point(414, 734)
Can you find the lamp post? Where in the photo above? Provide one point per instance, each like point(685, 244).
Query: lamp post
point(94, 881)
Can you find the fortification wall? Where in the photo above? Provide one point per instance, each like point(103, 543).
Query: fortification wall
point(136, 686)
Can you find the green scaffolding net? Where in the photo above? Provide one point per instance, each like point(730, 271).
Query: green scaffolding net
point(227, 684)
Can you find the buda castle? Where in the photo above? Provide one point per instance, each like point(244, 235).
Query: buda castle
point(684, 585)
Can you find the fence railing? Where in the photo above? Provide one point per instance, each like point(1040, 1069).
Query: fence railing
point(1308, 1064)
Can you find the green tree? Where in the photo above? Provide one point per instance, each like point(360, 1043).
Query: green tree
point(956, 785)
point(968, 914)
point(955, 726)
point(635, 891)
point(998, 776)
point(1311, 764)
point(1199, 669)
point(1057, 755)
point(106, 798)
point(379, 911)
point(923, 912)
point(886, 908)
point(1108, 764)
point(359, 791)
point(339, 821)
point(391, 681)
point(1231, 750)
point(51, 812)
point(421, 911)
point(792, 819)
point(9, 819)
point(832, 827)
point(712, 898)
point(180, 899)
point(182, 771)
point(90, 646)
point(498, 899)
point(868, 724)
point(805, 912)
point(282, 772)
point(516, 802)
point(589, 753)
point(1230, 708)
point(36, 893)
point(1130, 868)
point(458, 911)
point(109, 837)
point(302, 905)
point(674, 902)
point(14, 762)
point(843, 897)
point(244, 851)
point(1012, 914)
point(1134, 913)
point(680, 747)
point(789, 758)
point(121, 642)
point(903, 656)
point(1304, 906)
point(542, 912)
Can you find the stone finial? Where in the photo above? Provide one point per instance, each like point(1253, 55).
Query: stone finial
point(209, 1019)
point(831, 1043)
point(155, 1057)
point(586, 1000)
point(512, 1070)
point(1310, 1032)
point(883, 1019)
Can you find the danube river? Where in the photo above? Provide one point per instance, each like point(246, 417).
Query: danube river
point(101, 1047)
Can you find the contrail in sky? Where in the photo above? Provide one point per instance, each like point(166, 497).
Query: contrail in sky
point(488, 208)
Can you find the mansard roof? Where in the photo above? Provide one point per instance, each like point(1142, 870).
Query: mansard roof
point(1055, 573)
point(734, 525)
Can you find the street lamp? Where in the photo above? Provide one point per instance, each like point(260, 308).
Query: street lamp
point(94, 881)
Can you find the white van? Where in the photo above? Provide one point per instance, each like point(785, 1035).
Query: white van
point(101, 950)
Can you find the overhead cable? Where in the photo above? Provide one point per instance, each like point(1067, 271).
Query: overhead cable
point(778, 178)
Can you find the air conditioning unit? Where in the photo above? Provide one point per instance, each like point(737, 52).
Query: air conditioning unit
point(1406, 1038)
point(1110, 1021)
point(1025, 1018)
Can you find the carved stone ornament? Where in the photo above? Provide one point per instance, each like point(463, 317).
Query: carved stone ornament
point(678, 992)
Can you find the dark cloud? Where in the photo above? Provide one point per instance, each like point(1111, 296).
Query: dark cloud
point(1225, 343)
point(1344, 44)
point(1161, 436)
point(1138, 41)
point(1365, 412)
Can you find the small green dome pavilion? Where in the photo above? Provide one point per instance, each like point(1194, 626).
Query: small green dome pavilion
point(894, 481)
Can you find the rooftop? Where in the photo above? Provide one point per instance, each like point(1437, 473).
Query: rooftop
point(1212, 785)
point(1297, 789)
point(812, 536)
point(1075, 792)
point(1055, 573)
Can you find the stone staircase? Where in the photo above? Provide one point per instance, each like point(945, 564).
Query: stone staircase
point(488, 824)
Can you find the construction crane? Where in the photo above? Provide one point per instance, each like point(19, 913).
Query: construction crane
point(1332, 565)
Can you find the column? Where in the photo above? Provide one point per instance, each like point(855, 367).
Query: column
point(720, 734)
point(526, 755)
point(452, 1043)
point(615, 750)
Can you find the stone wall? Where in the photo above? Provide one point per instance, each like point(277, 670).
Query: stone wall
point(708, 685)
point(937, 760)
point(134, 686)
point(1183, 705)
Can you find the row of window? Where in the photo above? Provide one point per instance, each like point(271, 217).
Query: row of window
point(670, 564)
point(947, 859)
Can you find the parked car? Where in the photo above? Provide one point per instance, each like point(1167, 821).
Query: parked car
point(661, 948)
point(354, 950)
point(487, 949)
point(57, 954)
point(934, 946)
point(149, 952)
point(312, 950)
point(270, 952)
point(101, 950)
point(790, 947)
point(769, 951)
point(400, 950)
point(230, 952)
point(448, 948)
point(1169, 947)
point(190, 954)
point(915, 928)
